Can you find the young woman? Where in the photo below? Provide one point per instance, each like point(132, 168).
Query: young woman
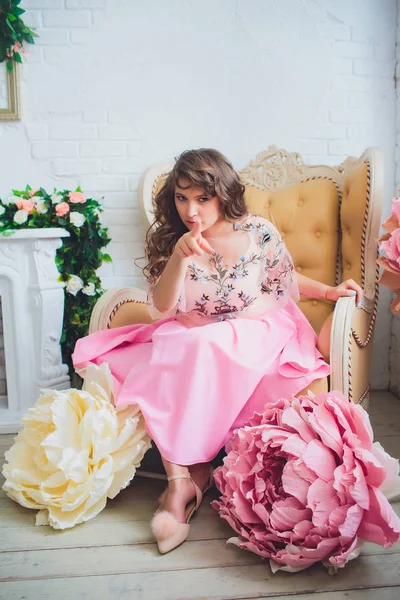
point(231, 337)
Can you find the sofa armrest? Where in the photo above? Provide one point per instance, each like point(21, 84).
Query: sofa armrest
point(351, 348)
point(118, 307)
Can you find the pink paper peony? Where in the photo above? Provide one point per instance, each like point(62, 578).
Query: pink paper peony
point(303, 482)
point(391, 248)
point(77, 198)
point(25, 205)
point(62, 209)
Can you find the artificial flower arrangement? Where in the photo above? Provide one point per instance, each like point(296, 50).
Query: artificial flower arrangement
point(390, 244)
point(13, 32)
point(78, 258)
point(304, 482)
point(74, 451)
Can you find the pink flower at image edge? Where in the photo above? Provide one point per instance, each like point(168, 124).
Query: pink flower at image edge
point(77, 198)
point(62, 209)
point(25, 205)
point(303, 482)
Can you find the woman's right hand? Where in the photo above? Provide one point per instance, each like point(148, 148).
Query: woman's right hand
point(192, 243)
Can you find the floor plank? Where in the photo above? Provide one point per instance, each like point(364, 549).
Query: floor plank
point(386, 593)
point(214, 584)
point(114, 556)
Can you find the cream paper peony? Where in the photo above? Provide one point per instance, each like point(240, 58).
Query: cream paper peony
point(75, 450)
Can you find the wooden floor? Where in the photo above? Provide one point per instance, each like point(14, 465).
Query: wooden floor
point(114, 557)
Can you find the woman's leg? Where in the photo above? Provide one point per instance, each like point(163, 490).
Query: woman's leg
point(181, 491)
point(324, 338)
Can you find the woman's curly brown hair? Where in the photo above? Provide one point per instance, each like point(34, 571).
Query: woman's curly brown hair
point(204, 168)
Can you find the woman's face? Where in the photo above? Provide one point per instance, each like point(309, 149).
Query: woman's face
point(194, 205)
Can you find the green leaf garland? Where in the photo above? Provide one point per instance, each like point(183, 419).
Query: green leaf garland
point(13, 33)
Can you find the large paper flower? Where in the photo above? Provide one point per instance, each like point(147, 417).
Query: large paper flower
point(75, 450)
point(304, 482)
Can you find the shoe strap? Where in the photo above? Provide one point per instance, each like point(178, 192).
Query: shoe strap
point(199, 495)
point(179, 476)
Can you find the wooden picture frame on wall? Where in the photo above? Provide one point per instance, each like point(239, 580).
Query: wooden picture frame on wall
point(12, 112)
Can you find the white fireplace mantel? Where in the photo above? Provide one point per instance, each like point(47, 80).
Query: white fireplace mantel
point(32, 301)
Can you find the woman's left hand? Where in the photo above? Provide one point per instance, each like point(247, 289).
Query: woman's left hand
point(347, 288)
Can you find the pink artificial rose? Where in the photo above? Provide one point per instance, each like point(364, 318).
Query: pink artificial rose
point(303, 482)
point(391, 248)
point(76, 198)
point(32, 192)
point(25, 205)
point(17, 46)
point(393, 221)
point(62, 209)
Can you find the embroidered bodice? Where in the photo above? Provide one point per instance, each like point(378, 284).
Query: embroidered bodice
point(251, 273)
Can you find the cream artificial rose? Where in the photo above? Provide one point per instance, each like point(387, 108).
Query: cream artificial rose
point(77, 219)
point(74, 284)
point(75, 450)
point(21, 216)
point(56, 198)
point(2, 210)
point(89, 289)
point(11, 200)
point(40, 206)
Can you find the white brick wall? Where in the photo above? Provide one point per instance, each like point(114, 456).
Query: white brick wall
point(112, 87)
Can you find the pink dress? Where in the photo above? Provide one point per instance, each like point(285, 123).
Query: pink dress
point(235, 341)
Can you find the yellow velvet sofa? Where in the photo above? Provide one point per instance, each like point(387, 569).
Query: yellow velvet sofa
point(329, 219)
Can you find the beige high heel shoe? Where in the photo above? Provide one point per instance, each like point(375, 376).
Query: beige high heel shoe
point(167, 530)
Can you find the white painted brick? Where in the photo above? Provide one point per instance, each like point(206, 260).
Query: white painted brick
point(384, 51)
point(119, 165)
point(117, 132)
point(95, 115)
point(351, 83)
point(35, 54)
point(52, 37)
point(350, 115)
point(318, 159)
point(46, 150)
point(310, 146)
point(352, 50)
point(357, 133)
point(79, 4)
point(127, 250)
point(122, 216)
point(36, 132)
point(123, 233)
point(78, 37)
point(60, 55)
point(76, 167)
point(111, 282)
point(106, 270)
point(37, 4)
point(56, 18)
point(336, 99)
point(341, 32)
point(104, 183)
point(329, 132)
point(133, 183)
point(72, 131)
point(342, 148)
point(135, 148)
point(126, 267)
point(33, 19)
point(120, 115)
point(120, 200)
point(55, 116)
point(359, 99)
point(360, 35)
point(100, 149)
point(342, 66)
point(373, 67)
